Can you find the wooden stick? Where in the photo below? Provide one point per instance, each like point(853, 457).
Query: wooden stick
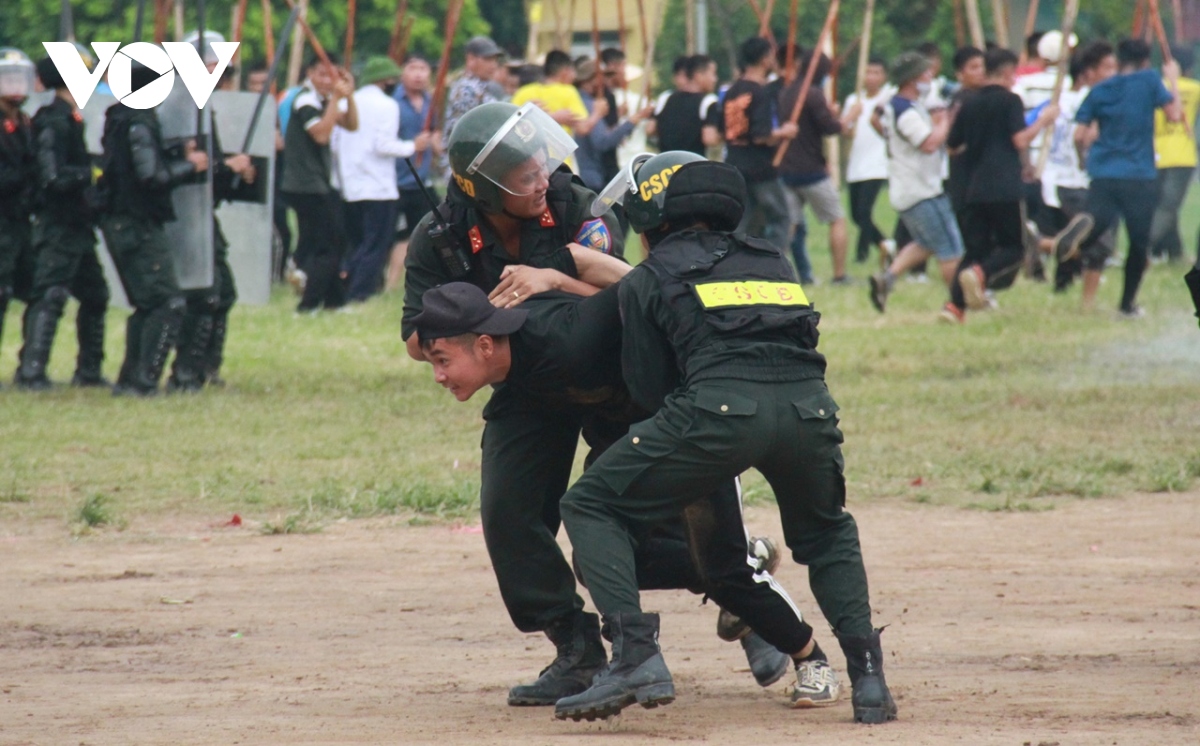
point(621, 25)
point(1030, 24)
point(405, 38)
point(864, 51)
point(160, 20)
point(763, 20)
point(1160, 33)
point(570, 38)
point(646, 61)
point(793, 19)
point(348, 47)
point(764, 26)
point(960, 25)
point(397, 30)
point(313, 41)
point(1070, 12)
point(974, 24)
point(269, 38)
point(689, 23)
point(798, 108)
point(1177, 10)
point(558, 31)
point(1000, 21)
point(439, 87)
point(596, 33)
point(1139, 20)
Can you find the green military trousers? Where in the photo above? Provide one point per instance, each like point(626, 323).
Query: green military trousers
point(703, 437)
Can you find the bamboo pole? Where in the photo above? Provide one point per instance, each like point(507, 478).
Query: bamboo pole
point(1139, 20)
point(798, 108)
point(313, 41)
point(1000, 21)
point(864, 50)
point(160, 20)
point(296, 51)
point(689, 22)
point(1177, 10)
point(348, 47)
point(439, 88)
point(269, 39)
point(1030, 25)
point(239, 22)
point(398, 29)
point(793, 20)
point(960, 26)
point(647, 63)
point(764, 25)
point(764, 21)
point(570, 38)
point(1070, 12)
point(974, 24)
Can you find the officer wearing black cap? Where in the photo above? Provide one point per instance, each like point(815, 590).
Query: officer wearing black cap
point(720, 339)
point(505, 227)
point(65, 243)
point(136, 188)
point(17, 178)
point(566, 351)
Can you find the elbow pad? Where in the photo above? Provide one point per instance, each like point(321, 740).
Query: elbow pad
point(148, 165)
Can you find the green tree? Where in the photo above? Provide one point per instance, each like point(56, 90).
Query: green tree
point(25, 24)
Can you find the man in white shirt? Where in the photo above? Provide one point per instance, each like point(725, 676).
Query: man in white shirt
point(1065, 182)
point(366, 160)
point(916, 141)
point(866, 168)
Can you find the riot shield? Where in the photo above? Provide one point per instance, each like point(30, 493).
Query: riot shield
point(190, 234)
point(246, 221)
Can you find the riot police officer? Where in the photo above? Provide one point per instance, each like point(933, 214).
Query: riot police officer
point(136, 187)
point(720, 340)
point(65, 243)
point(201, 348)
point(505, 227)
point(17, 178)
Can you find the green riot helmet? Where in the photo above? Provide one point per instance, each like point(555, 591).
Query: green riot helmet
point(497, 148)
point(16, 74)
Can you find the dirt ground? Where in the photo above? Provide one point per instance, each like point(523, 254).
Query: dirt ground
point(1079, 625)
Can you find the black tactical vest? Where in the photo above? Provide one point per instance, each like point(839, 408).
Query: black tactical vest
point(18, 168)
point(736, 306)
point(65, 198)
point(459, 212)
point(123, 192)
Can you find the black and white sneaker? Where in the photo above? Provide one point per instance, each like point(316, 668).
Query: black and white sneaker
point(1069, 239)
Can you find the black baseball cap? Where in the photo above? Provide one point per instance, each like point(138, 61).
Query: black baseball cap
point(461, 308)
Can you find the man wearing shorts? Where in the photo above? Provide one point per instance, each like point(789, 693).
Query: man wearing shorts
point(916, 145)
point(804, 171)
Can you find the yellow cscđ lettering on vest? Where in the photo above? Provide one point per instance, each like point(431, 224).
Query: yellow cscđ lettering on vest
point(750, 293)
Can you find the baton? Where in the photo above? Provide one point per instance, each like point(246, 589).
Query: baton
point(266, 91)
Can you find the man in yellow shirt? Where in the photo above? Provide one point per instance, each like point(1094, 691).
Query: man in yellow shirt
point(1175, 154)
point(559, 97)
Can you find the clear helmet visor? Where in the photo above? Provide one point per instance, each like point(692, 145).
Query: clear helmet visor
point(524, 152)
point(16, 74)
point(622, 184)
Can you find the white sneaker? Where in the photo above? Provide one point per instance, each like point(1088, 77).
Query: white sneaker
point(816, 685)
point(889, 248)
point(298, 279)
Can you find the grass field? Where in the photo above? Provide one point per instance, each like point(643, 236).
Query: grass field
point(325, 417)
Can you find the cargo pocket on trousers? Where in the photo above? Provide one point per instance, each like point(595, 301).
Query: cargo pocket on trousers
point(627, 459)
point(720, 416)
point(819, 406)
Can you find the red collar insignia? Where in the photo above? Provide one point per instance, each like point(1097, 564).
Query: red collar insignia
point(476, 240)
point(10, 126)
point(547, 219)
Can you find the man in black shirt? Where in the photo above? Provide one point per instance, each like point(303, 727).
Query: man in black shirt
point(690, 119)
point(751, 138)
point(564, 352)
point(988, 136)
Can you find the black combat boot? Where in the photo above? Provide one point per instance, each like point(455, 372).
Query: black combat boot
point(872, 701)
point(216, 349)
point(89, 330)
point(637, 673)
point(580, 657)
point(187, 373)
point(41, 323)
point(159, 335)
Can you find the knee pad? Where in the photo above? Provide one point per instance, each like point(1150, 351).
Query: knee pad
point(57, 295)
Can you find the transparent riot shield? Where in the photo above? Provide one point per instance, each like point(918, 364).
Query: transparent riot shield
point(190, 234)
point(246, 220)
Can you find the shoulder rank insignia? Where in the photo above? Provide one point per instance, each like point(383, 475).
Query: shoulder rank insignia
point(547, 219)
point(476, 240)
